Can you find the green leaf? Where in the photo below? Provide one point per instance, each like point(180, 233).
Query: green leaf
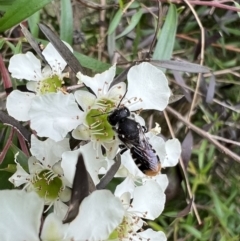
point(11, 168)
point(33, 24)
point(2, 42)
point(91, 63)
point(66, 30)
point(165, 44)
point(22, 159)
point(5, 4)
point(237, 6)
point(134, 21)
point(192, 230)
point(116, 19)
point(19, 11)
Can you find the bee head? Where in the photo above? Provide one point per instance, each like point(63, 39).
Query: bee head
point(118, 115)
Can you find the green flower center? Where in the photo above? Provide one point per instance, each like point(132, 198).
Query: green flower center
point(121, 231)
point(97, 120)
point(47, 185)
point(49, 85)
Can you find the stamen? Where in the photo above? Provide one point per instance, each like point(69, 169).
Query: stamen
point(105, 85)
point(95, 124)
point(131, 101)
point(50, 205)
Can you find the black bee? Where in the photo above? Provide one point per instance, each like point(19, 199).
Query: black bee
point(131, 133)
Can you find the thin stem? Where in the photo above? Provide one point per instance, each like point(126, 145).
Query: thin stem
point(184, 170)
point(202, 56)
point(204, 134)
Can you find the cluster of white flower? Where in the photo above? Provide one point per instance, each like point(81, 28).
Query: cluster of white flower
point(55, 114)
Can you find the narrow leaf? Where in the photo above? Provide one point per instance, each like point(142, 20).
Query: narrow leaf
point(134, 21)
point(66, 30)
point(19, 11)
point(32, 41)
point(187, 146)
point(62, 49)
point(179, 79)
point(33, 22)
point(110, 174)
point(8, 120)
point(80, 190)
point(165, 44)
point(211, 89)
point(182, 66)
point(115, 21)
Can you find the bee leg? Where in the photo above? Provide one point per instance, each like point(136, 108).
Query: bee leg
point(144, 129)
point(124, 148)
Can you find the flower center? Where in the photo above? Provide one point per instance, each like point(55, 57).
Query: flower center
point(122, 231)
point(97, 120)
point(47, 185)
point(49, 85)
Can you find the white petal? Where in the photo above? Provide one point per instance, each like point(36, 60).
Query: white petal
point(127, 186)
point(149, 234)
point(20, 215)
point(139, 119)
point(161, 179)
point(117, 91)
point(148, 200)
point(54, 115)
point(18, 104)
point(32, 85)
point(130, 165)
point(99, 214)
point(147, 82)
point(53, 229)
point(46, 72)
point(81, 133)
point(69, 160)
point(158, 145)
point(34, 165)
point(48, 152)
point(173, 149)
point(60, 209)
point(54, 59)
point(19, 177)
point(100, 83)
point(85, 99)
point(112, 148)
point(25, 66)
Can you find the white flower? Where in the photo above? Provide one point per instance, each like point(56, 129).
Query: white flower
point(27, 66)
point(20, 215)
point(20, 218)
point(41, 81)
point(148, 203)
point(168, 153)
point(53, 115)
point(99, 214)
point(69, 161)
point(45, 176)
point(147, 89)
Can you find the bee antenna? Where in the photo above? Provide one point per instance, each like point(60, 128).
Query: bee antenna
point(121, 100)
